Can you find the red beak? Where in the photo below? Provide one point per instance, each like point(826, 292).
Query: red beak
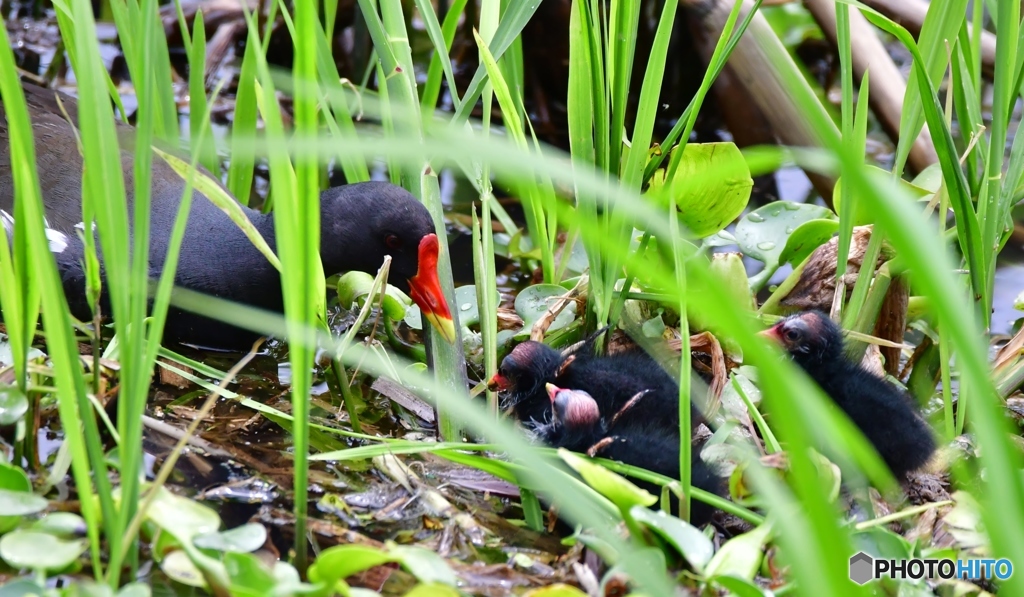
point(498, 383)
point(553, 391)
point(425, 289)
point(772, 334)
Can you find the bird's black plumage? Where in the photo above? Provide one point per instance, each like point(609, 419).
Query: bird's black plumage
point(611, 380)
point(885, 414)
point(579, 425)
point(360, 224)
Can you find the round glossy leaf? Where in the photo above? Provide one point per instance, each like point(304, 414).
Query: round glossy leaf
point(181, 517)
point(427, 566)
point(342, 561)
point(764, 232)
point(21, 588)
point(247, 574)
point(711, 186)
point(244, 539)
point(740, 556)
point(621, 492)
point(13, 405)
point(180, 568)
point(135, 589)
point(355, 287)
point(806, 238)
point(62, 524)
point(693, 544)
point(14, 478)
point(33, 550)
point(533, 302)
point(20, 503)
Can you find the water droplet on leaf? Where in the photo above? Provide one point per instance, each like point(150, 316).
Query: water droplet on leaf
point(766, 245)
point(755, 217)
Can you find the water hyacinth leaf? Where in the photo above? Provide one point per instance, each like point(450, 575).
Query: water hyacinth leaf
point(7, 359)
point(247, 574)
point(882, 543)
point(711, 186)
point(533, 302)
point(728, 272)
point(181, 517)
point(341, 561)
point(32, 550)
point(425, 565)
point(13, 405)
point(806, 238)
point(20, 503)
point(621, 492)
point(739, 587)
point(61, 524)
point(764, 232)
point(863, 215)
point(354, 287)
point(740, 556)
point(244, 539)
point(14, 478)
point(135, 589)
point(556, 590)
point(21, 588)
point(180, 568)
point(686, 538)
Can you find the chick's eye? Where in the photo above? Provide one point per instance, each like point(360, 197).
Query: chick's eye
point(393, 242)
point(792, 335)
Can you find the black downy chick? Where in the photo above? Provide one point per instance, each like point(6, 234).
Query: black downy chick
point(577, 424)
point(612, 381)
point(884, 413)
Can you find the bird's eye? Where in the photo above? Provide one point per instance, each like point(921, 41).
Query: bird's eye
point(393, 242)
point(792, 335)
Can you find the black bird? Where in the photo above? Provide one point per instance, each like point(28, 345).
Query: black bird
point(885, 414)
point(577, 424)
point(611, 380)
point(360, 224)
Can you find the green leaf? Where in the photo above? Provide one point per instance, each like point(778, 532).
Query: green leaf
point(806, 238)
point(244, 539)
point(533, 302)
point(555, 590)
point(181, 517)
point(621, 492)
point(425, 565)
point(33, 550)
point(20, 503)
point(693, 544)
point(341, 561)
point(738, 586)
point(741, 555)
point(764, 232)
point(247, 575)
point(21, 588)
point(711, 186)
point(356, 287)
point(432, 590)
point(13, 405)
point(61, 524)
point(180, 568)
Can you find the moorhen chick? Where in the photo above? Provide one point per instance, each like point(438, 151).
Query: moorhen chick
point(885, 414)
point(577, 424)
point(360, 224)
point(612, 381)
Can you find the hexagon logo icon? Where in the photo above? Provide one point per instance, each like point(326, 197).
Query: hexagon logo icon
point(861, 567)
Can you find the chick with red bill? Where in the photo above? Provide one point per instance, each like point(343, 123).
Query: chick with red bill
point(885, 414)
point(612, 381)
point(578, 424)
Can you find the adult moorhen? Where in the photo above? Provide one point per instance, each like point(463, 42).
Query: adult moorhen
point(578, 424)
point(884, 413)
point(611, 380)
point(360, 224)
